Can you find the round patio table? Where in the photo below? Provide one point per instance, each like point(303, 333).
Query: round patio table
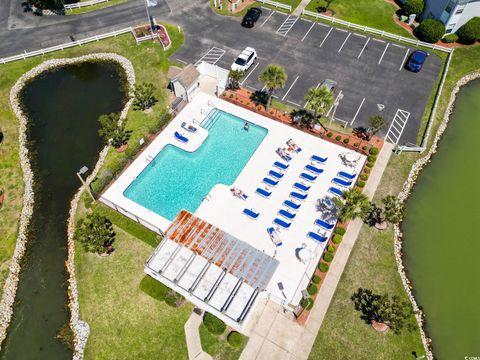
point(305, 254)
point(350, 157)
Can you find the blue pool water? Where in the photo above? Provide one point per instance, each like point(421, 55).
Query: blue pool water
point(177, 179)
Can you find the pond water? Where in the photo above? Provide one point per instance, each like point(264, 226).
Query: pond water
point(442, 241)
point(63, 106)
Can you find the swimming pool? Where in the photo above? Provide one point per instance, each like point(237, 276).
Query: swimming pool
point(176, 179)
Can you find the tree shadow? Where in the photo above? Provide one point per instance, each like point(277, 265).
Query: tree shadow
point(259, 97)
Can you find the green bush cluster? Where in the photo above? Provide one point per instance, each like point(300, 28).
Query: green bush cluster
point(469, 33)
point(338, 138)
point(312, 289)
point(367, 170)
point(337, 239)
point(304, 303)
point(413, 7)
point(374, 151)
point(316, 279)
point(310, 304)
point(372, 158)
point(235, 339)
point(173, 299)
point(213, 324)
point(346, 140)
point(364, 177)
point(369, 164)
point(331, 248)
point(323, 267)
point(450, 38)
point(340, 231)
point(361, 184)
point(430, 30)
point(328, 256)
point(329, 135)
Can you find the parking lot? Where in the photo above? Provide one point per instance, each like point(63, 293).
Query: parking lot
point(369, 71)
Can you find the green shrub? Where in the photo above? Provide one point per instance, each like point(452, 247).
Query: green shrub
point(329, 135)
point(213, 324)
point(469, 33)
point(430, 30)
point(316, 279)
point(367, 170)
point(356, 145)
point(340, 231)
point(153, 288)
point(373, 151)
point(331, 248)
point(337, 239)
point(338, 138)
point(310, 304)
point(364, 177)
point(346, 140)
point(413, 7)
point(235, 339)
point(323, 267)
point(369, 164)
point(364, 148)
point(372, 158)
point(312, 289)
point(173, 299)
point(328, 256)
point(305, 302)
point(450, 38)
point(361, 184)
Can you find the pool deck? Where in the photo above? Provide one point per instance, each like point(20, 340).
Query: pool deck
point(223, 210)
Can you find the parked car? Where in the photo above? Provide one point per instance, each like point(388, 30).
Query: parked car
point(329, 84)
point(416, 60)
point(245, 60)
point(251, 17)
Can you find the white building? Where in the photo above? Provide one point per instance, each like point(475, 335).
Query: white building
point(453, 13)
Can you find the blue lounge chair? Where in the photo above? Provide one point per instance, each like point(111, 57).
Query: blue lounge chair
point(274, 236)
point(275, 174)
point(287, 214)
point(300, 186)
point(263, 192)
point(336, 191)
point(282, 223)
point(180, 137)
point(270, 181)
point(291, 204)
point(314, 169)
point(189, 128)
point(317, 237)
point(308, 177)
point(280, 165)
point(324, 224)
point(284, 156)
point(298, 196)
point(250, 213)
point(318, 159)
point(346, 175)
point(341, 182)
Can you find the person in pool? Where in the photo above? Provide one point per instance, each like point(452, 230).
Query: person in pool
point(246, 126)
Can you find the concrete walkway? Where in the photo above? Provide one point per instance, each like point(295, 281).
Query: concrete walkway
point(298, 10)
point(192, 336)
point(273, 334)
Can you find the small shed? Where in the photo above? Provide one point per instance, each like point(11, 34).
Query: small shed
point(184, 82)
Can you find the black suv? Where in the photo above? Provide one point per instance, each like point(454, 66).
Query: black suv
point(251, 17)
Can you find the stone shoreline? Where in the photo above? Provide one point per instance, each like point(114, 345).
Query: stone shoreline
point(404, 195)
point(80, 328)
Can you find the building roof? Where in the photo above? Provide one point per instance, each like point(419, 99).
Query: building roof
point(213, 269)
point(186, 76)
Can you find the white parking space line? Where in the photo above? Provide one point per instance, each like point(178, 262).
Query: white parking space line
point(249, 73)
point(342, 30)
point(360, 35)
point(404, 59)
point(294, 103)
point(183, 62)
point(290, 88)
point(375, 39)
point(311, 27)
point(358, 110)
point(363, 48)
point(324, 25)
point(399, 46)
point(397, 126)
point(326, 36)
point(212, 56)
point(287, 25)
point(268, 18)
point(383, 54)
point(341, 47)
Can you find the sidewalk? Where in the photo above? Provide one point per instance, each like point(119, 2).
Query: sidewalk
point(192, 337)
point(273, 334)
point(300, 7)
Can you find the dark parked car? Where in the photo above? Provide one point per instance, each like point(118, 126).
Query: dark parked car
point(251, 17)
point(416, 60)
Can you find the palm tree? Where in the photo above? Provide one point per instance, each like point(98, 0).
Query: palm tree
point(234, 77)
point(273, 77)
point(319, 100)
point(353, 204)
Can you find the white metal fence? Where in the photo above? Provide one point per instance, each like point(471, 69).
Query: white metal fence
point(376, 31)
point(26, 55)
point(83, 4)
point(276, 4)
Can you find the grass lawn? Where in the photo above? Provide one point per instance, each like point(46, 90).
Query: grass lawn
point(99, 6)
point(373, 13)
point(217, 345)
point(372, 264)
point(125, 309)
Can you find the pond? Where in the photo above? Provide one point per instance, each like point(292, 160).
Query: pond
point(442, 241)
point(63, 106)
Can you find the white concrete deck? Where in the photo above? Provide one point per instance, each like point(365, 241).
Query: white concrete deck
point(223, 210)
